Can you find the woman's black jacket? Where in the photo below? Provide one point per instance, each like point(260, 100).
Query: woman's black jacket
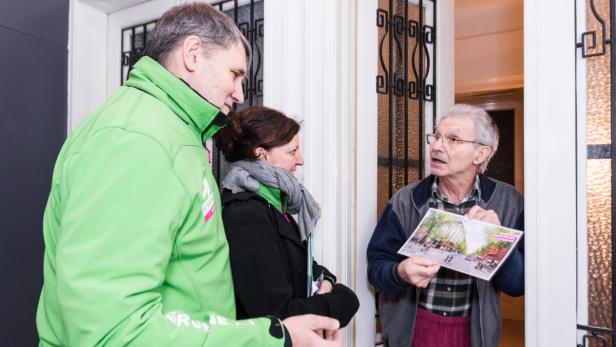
point(268, 262)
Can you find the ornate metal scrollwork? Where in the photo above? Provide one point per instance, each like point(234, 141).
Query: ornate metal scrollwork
point(424, 35)
point(592, 36)
point(253, 85)
point(382, 81)
point(137, 36)
point(594, 334)
point(407, 48)
point(249, 17)
point(593, 44)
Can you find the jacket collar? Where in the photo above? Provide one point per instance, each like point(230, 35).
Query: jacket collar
point(152, 78)
point(226, 196)
point(423, 190)
point(274, 196)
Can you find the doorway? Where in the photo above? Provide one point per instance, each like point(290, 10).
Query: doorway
point(507, 111)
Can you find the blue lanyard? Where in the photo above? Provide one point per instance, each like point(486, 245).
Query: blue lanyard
point(310, 269)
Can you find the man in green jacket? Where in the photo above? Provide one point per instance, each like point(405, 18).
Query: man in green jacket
point(135, 251)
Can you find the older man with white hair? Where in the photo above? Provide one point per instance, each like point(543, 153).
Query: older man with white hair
point(422, 303)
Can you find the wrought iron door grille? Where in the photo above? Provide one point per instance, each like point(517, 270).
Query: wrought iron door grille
point(405, 84)
point(593, 44)
point(588, 39)
point(249, 17)
point(133, 45)
point(595, 336)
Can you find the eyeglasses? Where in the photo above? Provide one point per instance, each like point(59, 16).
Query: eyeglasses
point(448, 141)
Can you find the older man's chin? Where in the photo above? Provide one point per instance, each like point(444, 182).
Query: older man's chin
point(437, 169)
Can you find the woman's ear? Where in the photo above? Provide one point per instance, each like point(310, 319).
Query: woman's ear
point(261, 153)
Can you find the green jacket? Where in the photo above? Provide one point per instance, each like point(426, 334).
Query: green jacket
point(135, 250)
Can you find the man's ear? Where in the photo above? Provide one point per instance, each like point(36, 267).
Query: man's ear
point(191, 49)
point(482, 154)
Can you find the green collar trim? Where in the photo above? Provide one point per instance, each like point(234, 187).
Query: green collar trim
point(273, 196)
point(152, 78)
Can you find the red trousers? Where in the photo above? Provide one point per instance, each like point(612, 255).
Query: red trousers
point(433, 330)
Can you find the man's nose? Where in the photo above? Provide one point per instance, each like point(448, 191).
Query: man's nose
point(238, 94)
point(438, 143)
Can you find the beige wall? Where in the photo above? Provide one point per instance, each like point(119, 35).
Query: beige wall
point(489, 45)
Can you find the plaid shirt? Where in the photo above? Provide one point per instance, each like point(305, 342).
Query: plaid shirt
point(450, 292)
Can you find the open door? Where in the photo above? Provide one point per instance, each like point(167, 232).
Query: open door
point(405, 64)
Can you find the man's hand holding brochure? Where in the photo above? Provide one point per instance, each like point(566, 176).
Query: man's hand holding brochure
point(470, 246)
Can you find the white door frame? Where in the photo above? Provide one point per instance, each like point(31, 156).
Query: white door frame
point(91, 80)
point(87, 75)
point(550, 172)
point(582, 316)
point(365, 166)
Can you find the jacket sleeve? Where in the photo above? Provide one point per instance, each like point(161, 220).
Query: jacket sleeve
point(510, 277)
point(261, 270)
point(383, 257)
point(120, 217)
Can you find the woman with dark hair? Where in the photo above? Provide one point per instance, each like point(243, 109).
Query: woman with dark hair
point(271, 254)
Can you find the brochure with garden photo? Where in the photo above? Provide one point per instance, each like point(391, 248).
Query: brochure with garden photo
point(465, 245)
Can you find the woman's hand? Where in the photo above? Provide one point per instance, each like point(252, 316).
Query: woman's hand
point(326, 287)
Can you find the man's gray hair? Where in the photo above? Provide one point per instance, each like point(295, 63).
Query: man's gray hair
point(214, 28)
point(486, 131)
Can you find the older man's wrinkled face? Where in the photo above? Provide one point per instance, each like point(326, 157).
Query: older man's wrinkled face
point(450, 158)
